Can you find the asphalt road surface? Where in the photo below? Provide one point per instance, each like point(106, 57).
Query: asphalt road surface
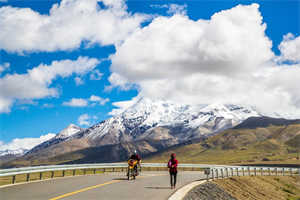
point(149, 185)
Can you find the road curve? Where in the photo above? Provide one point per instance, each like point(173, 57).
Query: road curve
point(150, 185)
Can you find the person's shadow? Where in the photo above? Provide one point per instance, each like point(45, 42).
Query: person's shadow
point(158, 188)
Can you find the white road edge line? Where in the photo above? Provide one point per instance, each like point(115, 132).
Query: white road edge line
point(181, 192)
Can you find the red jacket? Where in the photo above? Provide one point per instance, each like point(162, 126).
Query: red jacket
point(174, 164)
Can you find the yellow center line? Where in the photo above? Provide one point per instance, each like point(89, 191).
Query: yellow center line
point(96, 186)
point(84, 189)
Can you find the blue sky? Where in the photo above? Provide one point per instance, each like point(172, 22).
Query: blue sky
point(34, 116)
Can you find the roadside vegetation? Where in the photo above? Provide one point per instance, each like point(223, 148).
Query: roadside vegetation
point(262, 187)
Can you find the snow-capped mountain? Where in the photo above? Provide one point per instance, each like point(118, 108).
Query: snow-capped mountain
point(61, 136)
point(186, 121)
point(68, 131)
point(16, 152)
point(159, 123)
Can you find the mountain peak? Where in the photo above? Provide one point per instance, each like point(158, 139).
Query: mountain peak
point(69, 131)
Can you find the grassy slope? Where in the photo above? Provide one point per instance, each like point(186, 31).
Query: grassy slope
point(274, 144)
point(262, 187)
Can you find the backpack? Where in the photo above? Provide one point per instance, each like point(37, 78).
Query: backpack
point(169, 164)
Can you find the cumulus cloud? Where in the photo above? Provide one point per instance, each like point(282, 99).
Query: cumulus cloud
point(86, 120)
point(290, 48)
point(92, 101)
point(25, 143)
point(96, 75)
point(78, 81)
point(68, 24)
point(4, 67)
point(172, 8)
point(100, 100)
point(74, 102)
point(36, 83)
point(226, 59)
point(121, 106)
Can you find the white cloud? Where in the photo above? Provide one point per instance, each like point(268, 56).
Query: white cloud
point(3, 0)
point(121, 106)
point(86, 120)
point(36, 83)
point(78, 81)
point(226, 59)
point(68, 24)
point(172, 8)
point(74, 102)
point(92, 101)
point(177, 9)
point(99, 100)
point(96, 75)
point(4, 66)
point(290, 48)
point(24, 143)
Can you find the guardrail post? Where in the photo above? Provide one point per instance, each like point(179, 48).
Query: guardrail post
point(237, 171)
point(269, 171)
point(227, 172)
point(254, 171)
point(94, 171)
point(63, 173)
point(13, 179)
point(74, 172)
point(27, 177)
point(231, 171)
point(41, 175)
point(84, 171)
point(103, 170)
point(222, 173)
point(249, 173)
point(217, 173)
point(243, 170)
point(52, 174)
point(291, 171)
point(261, 171)
point(113, 169)
point(212, 174)
point(282, 171)
point(276, 171)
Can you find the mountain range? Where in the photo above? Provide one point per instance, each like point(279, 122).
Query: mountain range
point(148, 126)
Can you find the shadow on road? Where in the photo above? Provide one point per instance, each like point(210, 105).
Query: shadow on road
point(158, 188)
point(120, 179)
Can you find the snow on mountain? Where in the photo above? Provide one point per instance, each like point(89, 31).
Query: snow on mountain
point(189, 121)
point(149, 124)
point(63, 135)
point(68, 131)
point(20, 146)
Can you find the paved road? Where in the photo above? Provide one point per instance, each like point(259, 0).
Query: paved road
point(150, 185)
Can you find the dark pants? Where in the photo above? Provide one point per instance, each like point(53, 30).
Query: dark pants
point(173, 176)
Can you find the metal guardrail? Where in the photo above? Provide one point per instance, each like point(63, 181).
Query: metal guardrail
point(212, 171)
point(229, 171)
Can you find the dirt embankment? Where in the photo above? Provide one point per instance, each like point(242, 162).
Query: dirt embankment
point(248, 188)
point(208, 191)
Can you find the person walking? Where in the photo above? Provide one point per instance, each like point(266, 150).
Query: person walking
point(172, 165)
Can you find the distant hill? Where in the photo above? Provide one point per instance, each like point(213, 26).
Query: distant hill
point(255, 122)
point(256, 140)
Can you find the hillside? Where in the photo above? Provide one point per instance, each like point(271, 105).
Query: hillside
point(262, 187)
point(271, 144)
